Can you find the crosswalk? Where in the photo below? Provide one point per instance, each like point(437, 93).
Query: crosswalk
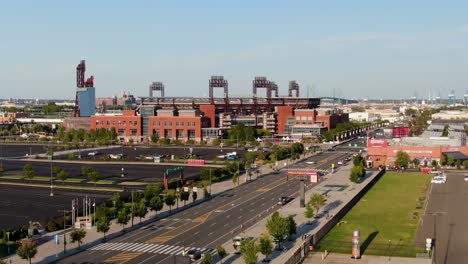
point(148, 248)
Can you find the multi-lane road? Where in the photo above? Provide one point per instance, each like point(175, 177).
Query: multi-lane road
point(205, 226)
point(446, 220)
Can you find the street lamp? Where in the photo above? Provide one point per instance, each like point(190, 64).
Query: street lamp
point(51, 185)
point(133, 206)
point(8, 242)
point(434, 215)
point(389, 243)
point(177, 196)
point(122, 174)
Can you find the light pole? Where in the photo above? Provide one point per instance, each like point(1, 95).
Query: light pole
point(8, 242)
point(210, 182)
point(177, 197)
point(122, 174)
point(133, 206)
point(434, 215)
point(51, 185)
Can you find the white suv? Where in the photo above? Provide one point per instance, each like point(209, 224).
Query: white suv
point(439, 179)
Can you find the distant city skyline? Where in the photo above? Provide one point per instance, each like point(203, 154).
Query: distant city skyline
point(353, 50)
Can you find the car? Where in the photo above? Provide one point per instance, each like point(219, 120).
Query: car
point(466, 178)
point(116, 156)
point(339, 162)
point(284, 200)
point(310, 162)
point(194, 254)
point(237, 241)
point(93, 153)
point(439, 179)
point(232, 157)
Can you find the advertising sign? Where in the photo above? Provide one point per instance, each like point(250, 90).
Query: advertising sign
point(377, 142)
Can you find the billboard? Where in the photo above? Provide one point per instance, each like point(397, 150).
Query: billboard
point(304, 175)
point(377, 142)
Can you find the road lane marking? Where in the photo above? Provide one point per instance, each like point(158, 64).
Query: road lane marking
point(123, 257)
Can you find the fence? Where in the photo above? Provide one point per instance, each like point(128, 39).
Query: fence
point(381, 249)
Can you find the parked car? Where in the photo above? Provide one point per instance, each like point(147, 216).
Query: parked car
point(340, 162)
point(284, 200)
point(237, 241)
point(466, 178)
point(310, 162)
point(116, 156)
point(194, 254)
point(93, 153)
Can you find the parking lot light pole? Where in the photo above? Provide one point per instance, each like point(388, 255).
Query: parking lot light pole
point(434, 215)
point(389, 243)
point(51, 185)
point(8, 242)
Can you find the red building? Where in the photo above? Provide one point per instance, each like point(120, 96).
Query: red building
point(127, 125)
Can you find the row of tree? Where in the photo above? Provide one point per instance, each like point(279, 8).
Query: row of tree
point(359, 168)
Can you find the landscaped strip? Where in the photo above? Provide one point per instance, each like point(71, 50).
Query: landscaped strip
point(130, 183)
point(387, 216)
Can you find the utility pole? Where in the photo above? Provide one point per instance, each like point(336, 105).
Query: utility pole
point(210, 181)
point(64, 231)
point(51, 185)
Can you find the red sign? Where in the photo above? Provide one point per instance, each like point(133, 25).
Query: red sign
point(377, 142)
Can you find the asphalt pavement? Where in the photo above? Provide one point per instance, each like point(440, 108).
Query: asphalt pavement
point(446, 220)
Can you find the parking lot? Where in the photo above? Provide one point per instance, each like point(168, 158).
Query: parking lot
point(20, 204)
point(21, 150)
point(446, 219)
point(138, 153)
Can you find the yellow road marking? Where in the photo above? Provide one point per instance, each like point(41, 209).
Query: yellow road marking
point(123, 257)
point(200, 220)
point(263, 189)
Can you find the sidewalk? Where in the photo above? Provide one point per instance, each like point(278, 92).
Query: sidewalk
point(46, 251)
point(339, 192)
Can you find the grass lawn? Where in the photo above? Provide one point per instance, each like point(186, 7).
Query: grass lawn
point(129, 183)
point(390, 210)
point(102, 182)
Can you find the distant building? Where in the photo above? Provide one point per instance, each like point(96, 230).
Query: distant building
point(103, 102)
point(126, 99)
point(87, 101)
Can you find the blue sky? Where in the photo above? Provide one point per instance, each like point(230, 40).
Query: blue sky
point(353, 49)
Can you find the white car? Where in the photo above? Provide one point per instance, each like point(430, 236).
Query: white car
point(310, 162)
point(439, 179)
point(92, 153)
point(466, 178)
point(340, 162)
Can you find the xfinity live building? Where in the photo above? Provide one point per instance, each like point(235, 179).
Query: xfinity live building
point(382, 148)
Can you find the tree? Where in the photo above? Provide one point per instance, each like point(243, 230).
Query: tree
point(292, 226)
point(77, 236)
point(116, 201)
point(278, 228)
point(194, 196)
point(207, 258)
point(465, 164)
point(184, 196)
point(169, 200)
point(359, 160)
point(434, 163)
point(249, 251)
point(357, 109)
point(221, 253)
point(450, 160)
point(123, 217)
point(103, 225)
point(317, 201)
point(141, 209)
point(93, 176)
point(152, 190)
point(86, 170)
point(309, 212)
point(415, 162)
point(62, 176)
point(156, 204)
point(355, 172)
point(265, 245)
point(402, 159)
point(458, 164)
point(28, 171)
point(443, 160)
point(155, 138)
point(2, 169)
point(27, 251)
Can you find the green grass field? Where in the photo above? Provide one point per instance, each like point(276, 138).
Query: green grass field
point(387, 216)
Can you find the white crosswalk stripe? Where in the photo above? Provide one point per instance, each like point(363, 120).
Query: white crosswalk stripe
point(148, 248)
